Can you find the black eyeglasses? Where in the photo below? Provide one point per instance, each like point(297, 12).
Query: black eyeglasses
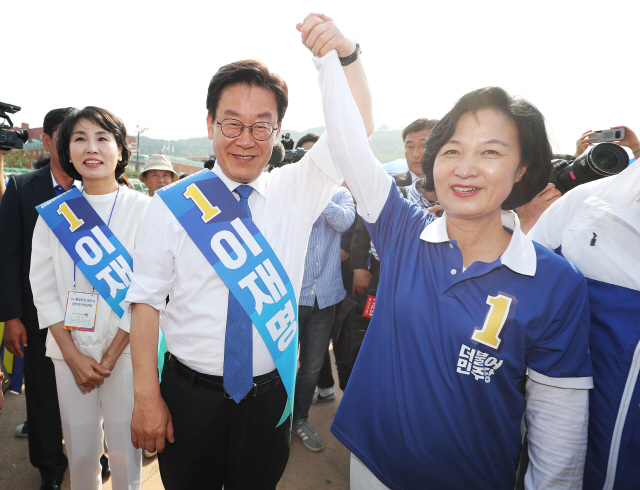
point(232, 128)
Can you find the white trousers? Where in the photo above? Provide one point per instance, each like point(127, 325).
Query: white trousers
point(82, 417)
point(361, 477)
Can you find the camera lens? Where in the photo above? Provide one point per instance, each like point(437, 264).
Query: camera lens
point(618, 134)
point(605, 160)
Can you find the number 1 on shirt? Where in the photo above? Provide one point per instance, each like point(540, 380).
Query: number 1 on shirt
point(496, 321)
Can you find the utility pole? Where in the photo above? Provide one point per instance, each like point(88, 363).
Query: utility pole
point(140, 131)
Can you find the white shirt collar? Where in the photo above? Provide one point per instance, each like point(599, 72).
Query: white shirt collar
point(520, 255)
point(258, 184)
point(414, 177)
point(77, 183)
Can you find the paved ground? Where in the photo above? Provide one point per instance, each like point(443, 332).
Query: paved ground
point(328, 469)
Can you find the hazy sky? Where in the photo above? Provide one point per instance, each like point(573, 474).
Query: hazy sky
point(150, 64)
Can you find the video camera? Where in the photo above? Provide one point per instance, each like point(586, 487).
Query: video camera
point(595, 163)
point(9, 139)
point(291, 155)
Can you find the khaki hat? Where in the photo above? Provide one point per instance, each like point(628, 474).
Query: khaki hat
point(159, 162)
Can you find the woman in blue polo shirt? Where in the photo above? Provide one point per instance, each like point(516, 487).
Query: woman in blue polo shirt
point(468, 311)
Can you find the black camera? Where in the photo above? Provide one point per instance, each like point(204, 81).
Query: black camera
point(597, 162)
point(9, 139)
point(291, 155)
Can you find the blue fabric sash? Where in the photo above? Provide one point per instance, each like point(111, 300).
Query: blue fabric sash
point(93, 247)
point(233, 245)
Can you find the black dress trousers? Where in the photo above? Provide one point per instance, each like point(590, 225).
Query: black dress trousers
point(43, 412)
point(219, 442)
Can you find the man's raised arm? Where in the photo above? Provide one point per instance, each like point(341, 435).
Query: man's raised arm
point(320, 34)
point(346, 101)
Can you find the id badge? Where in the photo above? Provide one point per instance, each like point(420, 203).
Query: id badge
point(82, 309)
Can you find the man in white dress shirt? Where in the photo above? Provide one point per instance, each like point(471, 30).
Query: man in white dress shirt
point(212, 440)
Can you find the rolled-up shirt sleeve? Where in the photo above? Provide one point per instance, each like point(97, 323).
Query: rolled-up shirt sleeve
point(42, 275)
point(157, 246)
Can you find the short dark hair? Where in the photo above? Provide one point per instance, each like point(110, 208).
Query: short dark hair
point(103, 118)
point(535, 150)
point(248, 72)
point(307, 138)
point(210, 163)
point(418, 125)
point(54, 119)
point(42, 161)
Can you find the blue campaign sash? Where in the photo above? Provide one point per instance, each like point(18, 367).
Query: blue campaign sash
point(93, 247)
point(233, 245)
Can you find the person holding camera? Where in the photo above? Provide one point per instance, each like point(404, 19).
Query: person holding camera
point(464, 315)
point(596, 226)
point(80, 271)
point(18, 218)
point(3, 186)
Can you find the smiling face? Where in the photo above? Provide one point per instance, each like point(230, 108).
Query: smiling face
point(243, 158)
point(414, 150)
point(475, 170)
point(94, 152)
point(156, 179)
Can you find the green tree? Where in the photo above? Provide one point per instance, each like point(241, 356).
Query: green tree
point(16, 159)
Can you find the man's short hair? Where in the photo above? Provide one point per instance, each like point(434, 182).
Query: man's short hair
point(210, 163)
point(307, 138)
point(418, 125)
point(248, 72)
point(53, 120)
point(535, 149)
point(103, 118)
point(42, 161)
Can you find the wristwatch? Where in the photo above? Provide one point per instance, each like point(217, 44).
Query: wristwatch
point(347, 60)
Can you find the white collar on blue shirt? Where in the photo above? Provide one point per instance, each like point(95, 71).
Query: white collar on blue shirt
point(77, 183)
point(258, 185)
point(520, 255)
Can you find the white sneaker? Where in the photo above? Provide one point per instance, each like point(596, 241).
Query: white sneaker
point(324, 395)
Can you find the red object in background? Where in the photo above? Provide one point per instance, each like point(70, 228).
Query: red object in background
point(369, 306)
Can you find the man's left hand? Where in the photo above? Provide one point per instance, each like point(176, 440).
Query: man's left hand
point(320, 34)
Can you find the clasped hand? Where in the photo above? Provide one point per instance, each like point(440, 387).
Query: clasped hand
point(320, 34)
point(87, 372)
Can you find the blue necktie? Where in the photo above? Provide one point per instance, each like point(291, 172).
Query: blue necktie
point(59, 189)
point(238, 346)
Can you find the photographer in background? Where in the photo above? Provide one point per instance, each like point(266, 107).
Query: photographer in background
point(530, 212)
point(2, 184)
point(18, 217)
point(596, 226)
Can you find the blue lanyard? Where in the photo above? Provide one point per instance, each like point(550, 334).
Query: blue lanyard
point(108, 223)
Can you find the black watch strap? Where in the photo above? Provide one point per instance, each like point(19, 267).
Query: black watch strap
point(347, 60)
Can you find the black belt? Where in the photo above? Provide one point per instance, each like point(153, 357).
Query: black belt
point(261, 383)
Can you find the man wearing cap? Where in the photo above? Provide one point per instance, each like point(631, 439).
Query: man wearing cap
point(157, 173)
point(220, 417)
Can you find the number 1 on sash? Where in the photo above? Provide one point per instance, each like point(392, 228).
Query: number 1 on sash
point(72, 219)
point(208, 211)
